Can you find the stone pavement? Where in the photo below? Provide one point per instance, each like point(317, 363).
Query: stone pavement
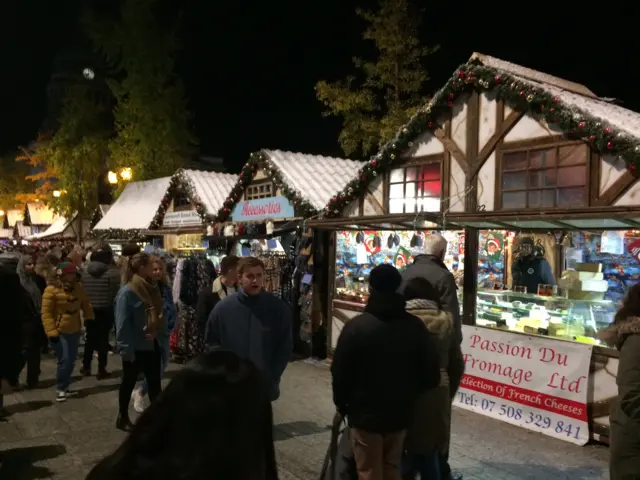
point(45, 440)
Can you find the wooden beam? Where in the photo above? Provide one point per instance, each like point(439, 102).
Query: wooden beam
point(452, 148)
point(473, 145)
point(505, 127)
point(615, 191)
point(373, 201)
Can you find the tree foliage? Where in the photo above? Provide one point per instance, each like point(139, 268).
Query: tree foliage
point(385, 92)
point(14, 182)
point(72, 160)
point(152, 121)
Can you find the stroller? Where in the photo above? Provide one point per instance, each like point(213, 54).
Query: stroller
point(339, 463)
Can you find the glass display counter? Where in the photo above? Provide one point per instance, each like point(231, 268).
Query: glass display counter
point(554, 316)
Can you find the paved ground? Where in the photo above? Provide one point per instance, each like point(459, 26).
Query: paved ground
point(44, 440)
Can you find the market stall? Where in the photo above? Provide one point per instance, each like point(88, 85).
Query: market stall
point(63, 228)
point(190, 198)
point(537, 175)
point(264, 216)
point(130, 216)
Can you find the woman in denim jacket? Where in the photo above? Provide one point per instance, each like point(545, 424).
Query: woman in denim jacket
point(160, 278)
point(140, 332)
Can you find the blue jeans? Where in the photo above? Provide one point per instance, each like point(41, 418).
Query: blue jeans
point(164, 361)
point(428, 466)
point(66, 350)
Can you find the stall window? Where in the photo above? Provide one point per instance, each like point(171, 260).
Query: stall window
point(415, 188)
point(260, 190)
point(544, 178)
point(181, 202)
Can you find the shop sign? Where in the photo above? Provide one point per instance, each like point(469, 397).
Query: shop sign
point(186, 218)
point(262, 209)
point(535, 383)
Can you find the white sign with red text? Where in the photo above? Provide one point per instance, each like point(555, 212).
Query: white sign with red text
point(536, 383)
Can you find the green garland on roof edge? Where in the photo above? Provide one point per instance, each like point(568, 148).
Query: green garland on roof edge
point(256, 161)
point(116, 234)
point(520, 95)
point(179, 183)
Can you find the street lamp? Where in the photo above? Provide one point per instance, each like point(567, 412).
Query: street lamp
point(112, 177)
point(57, 193)
point(1, 213)
point(126, 174)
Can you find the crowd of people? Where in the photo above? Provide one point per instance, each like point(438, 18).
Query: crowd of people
point(395, 370)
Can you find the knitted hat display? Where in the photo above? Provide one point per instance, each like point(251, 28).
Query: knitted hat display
point(66, 267)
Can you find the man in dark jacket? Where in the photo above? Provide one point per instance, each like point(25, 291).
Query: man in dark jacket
point(384, 359)
point(101, 281)
point(431, 267)
point(254, 324)
point(223, 286)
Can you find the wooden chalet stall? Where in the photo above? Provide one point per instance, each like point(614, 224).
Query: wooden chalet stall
point(265, 215)
point(129, 217)
point(501, 153)
point(191, 197)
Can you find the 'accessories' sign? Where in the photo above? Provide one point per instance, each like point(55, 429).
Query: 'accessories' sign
point(263, 209)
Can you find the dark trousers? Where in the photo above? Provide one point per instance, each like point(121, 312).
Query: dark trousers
point(32, 351)
point(150, 364)
point(98, 337)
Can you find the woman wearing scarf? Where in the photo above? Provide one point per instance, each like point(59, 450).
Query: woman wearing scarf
point(33, 330)
point(139, 331)
point(160, 279)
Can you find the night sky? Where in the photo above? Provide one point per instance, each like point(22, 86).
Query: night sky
point(250, 67)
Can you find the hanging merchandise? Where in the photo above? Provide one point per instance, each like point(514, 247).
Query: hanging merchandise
point(493, 244)
point(362, 257)
point(194, 274)
point(612, 242)
point(403, 258)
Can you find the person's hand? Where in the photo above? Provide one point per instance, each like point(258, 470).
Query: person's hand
point(54, 340)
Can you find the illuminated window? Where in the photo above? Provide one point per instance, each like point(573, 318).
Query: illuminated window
point(259, 190)
point(415, 188)
point(544, 178)
point(181, 202)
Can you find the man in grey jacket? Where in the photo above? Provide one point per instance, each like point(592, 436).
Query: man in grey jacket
point(431, 267)
point(101, 281)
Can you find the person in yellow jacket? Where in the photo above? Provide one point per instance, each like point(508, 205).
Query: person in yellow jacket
point(62, 301)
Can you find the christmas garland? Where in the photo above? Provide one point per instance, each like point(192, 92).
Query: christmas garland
point(115, 234)
point(515, 92)
point(261, 160)
point(179, 183)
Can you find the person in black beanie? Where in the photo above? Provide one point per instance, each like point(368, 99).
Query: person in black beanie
point(384, 359)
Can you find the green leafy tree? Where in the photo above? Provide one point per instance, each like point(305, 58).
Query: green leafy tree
point(385, 92)
point(14, 184)
point(153, 136)
point(72, 160)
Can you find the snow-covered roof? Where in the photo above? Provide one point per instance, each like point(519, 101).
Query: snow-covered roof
point(315, 177)
point(14, 215)
point(136, 206)
point(103, 209)
point(570, 93)
point(62, 227)
point(212, 188)
point(22, 230)
point(6, 232)
point(39, 214)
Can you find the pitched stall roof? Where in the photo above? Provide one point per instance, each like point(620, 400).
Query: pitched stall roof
point(6, 233)
point(12, 216)
point(20, 230)
point(310, 180)
point(136, 206)
point(205, 190)
point(38, 214)
point(61, 228)
point(607, 127)
point(211, 188)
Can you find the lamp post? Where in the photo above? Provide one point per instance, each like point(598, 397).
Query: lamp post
point(125, 174)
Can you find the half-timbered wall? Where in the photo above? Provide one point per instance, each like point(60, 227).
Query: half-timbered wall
point(472, 143)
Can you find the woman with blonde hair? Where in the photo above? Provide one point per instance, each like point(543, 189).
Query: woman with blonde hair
point(140, 330)
point(160, 279)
